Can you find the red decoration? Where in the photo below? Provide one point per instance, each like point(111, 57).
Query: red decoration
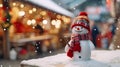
point(23, 52)
point(20, 28)
point(108, 35)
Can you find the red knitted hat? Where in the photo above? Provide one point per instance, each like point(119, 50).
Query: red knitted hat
point(83, 14)
point(81, 20)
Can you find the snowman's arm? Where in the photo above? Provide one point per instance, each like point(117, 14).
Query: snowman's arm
point(67, 47)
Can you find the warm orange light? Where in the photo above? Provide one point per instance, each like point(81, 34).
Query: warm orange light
point(1, 5)
point(108, 4)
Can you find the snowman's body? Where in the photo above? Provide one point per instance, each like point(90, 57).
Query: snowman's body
point(85, 51)
point(86, 45)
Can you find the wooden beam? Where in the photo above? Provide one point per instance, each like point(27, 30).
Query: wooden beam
point(6, 25)
point(6, 45)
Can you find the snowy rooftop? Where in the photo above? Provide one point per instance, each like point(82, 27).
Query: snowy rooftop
point(99, 58)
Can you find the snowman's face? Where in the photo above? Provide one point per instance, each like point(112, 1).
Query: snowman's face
point(79, 30)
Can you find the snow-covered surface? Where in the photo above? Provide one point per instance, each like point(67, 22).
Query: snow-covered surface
point(99, 58)
point(49, 4)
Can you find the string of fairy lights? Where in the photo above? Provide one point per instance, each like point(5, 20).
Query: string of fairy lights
point(35, 15)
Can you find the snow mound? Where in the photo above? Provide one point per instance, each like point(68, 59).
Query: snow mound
point(89, 63)
point(99, 58)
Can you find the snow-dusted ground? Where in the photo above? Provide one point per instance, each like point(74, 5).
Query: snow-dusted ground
point(99, 58)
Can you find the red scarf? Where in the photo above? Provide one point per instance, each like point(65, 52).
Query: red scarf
point(75, 44)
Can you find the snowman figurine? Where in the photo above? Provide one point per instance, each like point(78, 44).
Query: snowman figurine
point(79, 47)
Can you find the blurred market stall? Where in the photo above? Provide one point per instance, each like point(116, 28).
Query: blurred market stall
point(33, 26)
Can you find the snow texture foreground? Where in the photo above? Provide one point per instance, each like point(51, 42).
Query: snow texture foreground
point(99, 58)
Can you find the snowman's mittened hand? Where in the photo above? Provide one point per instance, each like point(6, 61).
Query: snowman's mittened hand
point(77, 48)
point(70, 53)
